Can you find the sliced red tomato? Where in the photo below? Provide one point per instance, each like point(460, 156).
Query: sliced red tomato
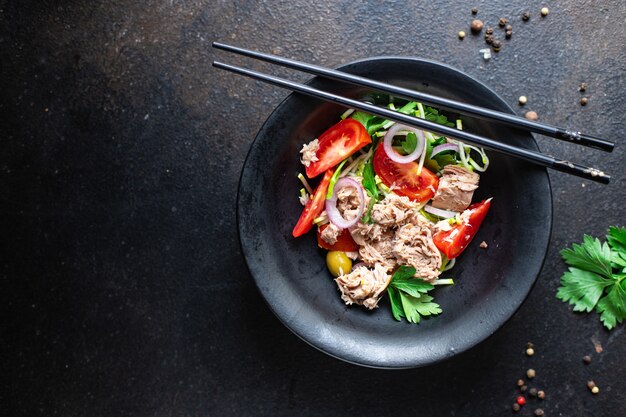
point(338, 143)
point(404, 177)
point(313, 207)
point(454, 241)
point(344, 243)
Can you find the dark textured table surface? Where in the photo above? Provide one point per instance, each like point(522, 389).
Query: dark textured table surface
point(124, 291)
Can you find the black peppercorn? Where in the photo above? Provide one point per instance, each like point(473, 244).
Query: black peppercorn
point(583, 101)
point(502, 21)
point(516, 407)
point(525, 16)
point(532, 392)
point(523, 388)
point(586, 358)
point(475, 10)
point(582, 87)
point(508, 34)
point(489, 39)
point(476, 26)
point(539, 412)
point(508, 27)
point(489, 31)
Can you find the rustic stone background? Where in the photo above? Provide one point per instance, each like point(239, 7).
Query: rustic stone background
point(124, 288)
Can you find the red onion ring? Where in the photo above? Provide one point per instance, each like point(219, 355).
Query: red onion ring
point(446, 214)
point(445, 147)
point(404, 159)
point(332, 211)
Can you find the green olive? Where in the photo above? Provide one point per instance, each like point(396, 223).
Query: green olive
point(338, 263)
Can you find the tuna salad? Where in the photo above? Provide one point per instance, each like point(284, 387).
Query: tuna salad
point(393, 207)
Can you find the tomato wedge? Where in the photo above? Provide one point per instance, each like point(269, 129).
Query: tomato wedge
point(404, 177)
point(454, 241)
point(338, 143)
point(313, 207)
point(344, 243)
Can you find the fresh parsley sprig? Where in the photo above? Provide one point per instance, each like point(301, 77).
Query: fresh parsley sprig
point(408, 296)
point(597, 277)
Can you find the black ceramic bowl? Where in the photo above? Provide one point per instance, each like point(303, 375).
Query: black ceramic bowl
point(490, 284)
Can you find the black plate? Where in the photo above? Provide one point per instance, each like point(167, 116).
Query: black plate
point(490, 284)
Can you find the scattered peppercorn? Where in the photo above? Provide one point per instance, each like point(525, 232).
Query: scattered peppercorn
point(590, 384)
point(595, 390)
point(541, 395)
point(526, 16)
point(521, 400)
point(530, 345)
point(530, 373)
point(532, 392)
point(587, 359)
point(477, 25)
point(529, 351)
point(474, 10)
point(508, 34)
point(583, 101)
point(461, 35)
point(531, 115)
point(520, 382)
point(516, 407)
point(489, 31)
point(523, 388)
point(539, 412)
point(489, 39)
point(582, 87)
point(503, 21)
point(544, 11)
point(508, 27)
point(496, 45)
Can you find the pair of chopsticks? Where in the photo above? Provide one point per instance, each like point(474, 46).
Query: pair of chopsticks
point(463, 108)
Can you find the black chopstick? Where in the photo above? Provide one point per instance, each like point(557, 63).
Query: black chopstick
point(463, 108)
point(525, 154)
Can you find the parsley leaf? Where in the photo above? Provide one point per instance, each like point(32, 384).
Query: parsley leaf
point(408, 296)
point(592, 281)
point(591, 256)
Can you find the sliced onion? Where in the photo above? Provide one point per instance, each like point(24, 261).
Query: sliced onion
point(445, 147)
point(446, 214)
point(403, 159)
point(334, 215)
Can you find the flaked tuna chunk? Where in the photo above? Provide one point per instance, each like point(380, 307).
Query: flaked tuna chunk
point(456, 188)
point(309, 151)
point(348, 201)
point(375, 244)
point(413, 245)
point(364, 286)
point(330, 234)
point(393, 210)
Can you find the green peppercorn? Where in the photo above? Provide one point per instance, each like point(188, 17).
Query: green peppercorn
point(496, 44)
